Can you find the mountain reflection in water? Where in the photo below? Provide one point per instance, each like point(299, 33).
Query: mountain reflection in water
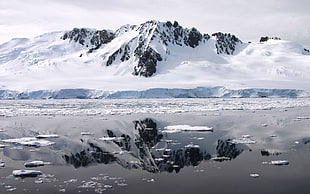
point(147, 148)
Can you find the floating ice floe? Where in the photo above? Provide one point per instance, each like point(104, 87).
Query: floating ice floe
point(254, 175)
point(186, 128)
point(192, 146)
point(35, 164)
point(122, 152)
point(87, 133)
point(47, 136)
point(245, 139)
point(111, 138)
point(277, 162)
point(302, 117)
point(3, 146)
point(220, 158)
point(2, 164)
point(29, 141)
point(31, 173)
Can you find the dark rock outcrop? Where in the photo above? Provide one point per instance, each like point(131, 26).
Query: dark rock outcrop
point(91, 39)
point(226, 43)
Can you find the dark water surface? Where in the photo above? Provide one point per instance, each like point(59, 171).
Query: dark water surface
point(136, 154)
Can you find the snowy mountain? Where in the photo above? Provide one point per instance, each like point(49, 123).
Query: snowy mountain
point(150, 55)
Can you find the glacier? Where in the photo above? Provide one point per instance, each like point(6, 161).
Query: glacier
point(199, 92)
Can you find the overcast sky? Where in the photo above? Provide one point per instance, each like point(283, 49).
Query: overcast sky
point(247, 19)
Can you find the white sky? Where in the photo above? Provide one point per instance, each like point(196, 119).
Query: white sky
point(247, 19)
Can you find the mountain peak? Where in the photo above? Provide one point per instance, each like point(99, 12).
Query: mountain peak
point(165, 52)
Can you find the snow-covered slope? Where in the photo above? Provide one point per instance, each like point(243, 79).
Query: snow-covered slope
point(150, 55)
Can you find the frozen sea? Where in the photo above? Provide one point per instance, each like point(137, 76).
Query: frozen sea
point(209, 145)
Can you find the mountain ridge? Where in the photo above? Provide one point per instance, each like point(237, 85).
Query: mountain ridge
point(165, 53)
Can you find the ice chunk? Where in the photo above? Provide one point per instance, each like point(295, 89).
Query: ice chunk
point(279, 162)
point(111, 138)
point(192, 146)
point(220, 158)
point(47, 136)
point(180, 128)
point(31, 173)
point(3, 146)
point(246, 139)
point(254, 175)
point(29, 141)
point(34, 164)
point(122, 152)
point(87, 133)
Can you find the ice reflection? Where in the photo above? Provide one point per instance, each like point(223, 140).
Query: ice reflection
point(152, 150)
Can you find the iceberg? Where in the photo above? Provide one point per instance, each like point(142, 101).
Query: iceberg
point(25, 173)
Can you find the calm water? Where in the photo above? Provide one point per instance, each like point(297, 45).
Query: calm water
point(130, 151)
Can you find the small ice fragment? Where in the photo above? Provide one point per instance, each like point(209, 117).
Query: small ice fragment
point(29, 141)
point(34, 164)
point(186, 128)
point(87, 133)
point(254, 175)
point(108, 186)
point(11, 189)
point(111, 138)
point(3, 146)
point(122, 184)
point(220, 158)
point(150, 180)
point(31, 173)
point(279, 162)
point(302, 117)
point(38, 181)
point(242, 141)
point(192, 146)
point(122, 152)
point(264, 125)
point(47, 136)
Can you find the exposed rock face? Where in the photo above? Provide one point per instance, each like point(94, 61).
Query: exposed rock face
point(226, 43)
point(266, 38)
point(147, 61)
point(92, 39)
point(149, 44)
